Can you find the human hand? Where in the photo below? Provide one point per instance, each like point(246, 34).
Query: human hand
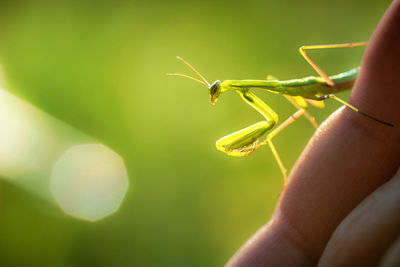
point(341, 205)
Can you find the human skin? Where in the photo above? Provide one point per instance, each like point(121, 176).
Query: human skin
point(349, 157)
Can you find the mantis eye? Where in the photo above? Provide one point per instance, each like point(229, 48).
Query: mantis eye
point(215, 91)
point(214, 87)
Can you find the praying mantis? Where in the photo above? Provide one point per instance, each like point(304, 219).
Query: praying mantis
point(299, 92)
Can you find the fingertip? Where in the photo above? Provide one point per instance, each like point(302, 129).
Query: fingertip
point(377, 90)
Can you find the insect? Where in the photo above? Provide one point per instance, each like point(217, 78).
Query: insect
point(300, 92)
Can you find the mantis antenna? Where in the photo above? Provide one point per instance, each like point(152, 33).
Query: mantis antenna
point(202, 81)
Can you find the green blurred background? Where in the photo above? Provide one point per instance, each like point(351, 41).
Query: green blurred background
point(101, 68)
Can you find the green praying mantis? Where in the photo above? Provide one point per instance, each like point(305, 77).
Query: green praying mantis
point(299, 92)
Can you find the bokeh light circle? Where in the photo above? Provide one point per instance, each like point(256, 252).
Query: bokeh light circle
point(89, 181)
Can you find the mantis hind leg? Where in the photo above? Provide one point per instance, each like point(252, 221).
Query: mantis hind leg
point(303, 52)
point(354, 108)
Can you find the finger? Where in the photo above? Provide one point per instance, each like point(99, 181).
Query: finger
point(392, 255)
point(366, 233)
point(377, 90)
point(348, 158)
point(351, 155)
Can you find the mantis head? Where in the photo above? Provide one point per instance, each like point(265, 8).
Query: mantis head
point(214, 88)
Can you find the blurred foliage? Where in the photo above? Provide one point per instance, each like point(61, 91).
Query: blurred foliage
point(100, 66)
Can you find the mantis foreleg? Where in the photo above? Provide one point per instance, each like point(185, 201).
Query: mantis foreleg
point(254, 142)
point(244, 142)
